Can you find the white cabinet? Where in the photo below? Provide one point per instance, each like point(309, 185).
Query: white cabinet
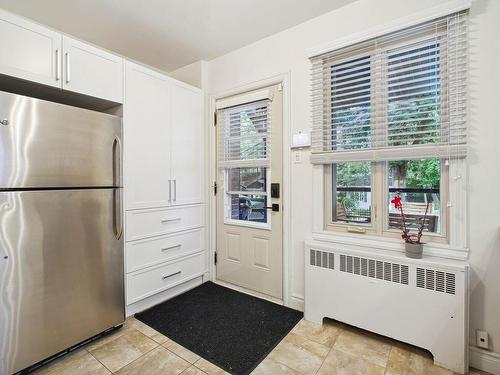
point(163, 159)
point(91, 71)
point(36, 53)
point(187, 145)
point(163, 140)
point(29, 51)
point(146, 128)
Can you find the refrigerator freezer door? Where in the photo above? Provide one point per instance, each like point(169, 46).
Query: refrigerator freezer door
point(45, 144)
point(61, 271)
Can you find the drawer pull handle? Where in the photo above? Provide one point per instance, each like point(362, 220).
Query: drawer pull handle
point(170, 220)
point(171, 275)
point(171, 247)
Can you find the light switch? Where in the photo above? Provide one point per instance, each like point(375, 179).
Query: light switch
point(297, 157)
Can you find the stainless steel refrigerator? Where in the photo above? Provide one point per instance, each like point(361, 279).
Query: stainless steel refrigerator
point(61, 245)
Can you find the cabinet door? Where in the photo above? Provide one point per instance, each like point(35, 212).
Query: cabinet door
point(187, 144)
point(91, 71)
point(29, 51)
point(146, 138)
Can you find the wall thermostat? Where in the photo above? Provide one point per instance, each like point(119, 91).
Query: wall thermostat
point(301, 140)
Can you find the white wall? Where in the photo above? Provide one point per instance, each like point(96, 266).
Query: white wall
point(287, 52)
point(192, 74)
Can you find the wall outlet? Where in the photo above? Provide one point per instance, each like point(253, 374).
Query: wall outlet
point(482, 339)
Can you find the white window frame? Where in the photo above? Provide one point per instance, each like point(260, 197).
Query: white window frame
point(457, 180)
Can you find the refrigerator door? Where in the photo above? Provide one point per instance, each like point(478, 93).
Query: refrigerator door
point(45, 144)
point(61, 271)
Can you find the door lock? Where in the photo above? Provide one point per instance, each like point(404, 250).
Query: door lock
point(275, 190)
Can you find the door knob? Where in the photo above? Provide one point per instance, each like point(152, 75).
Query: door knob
point(275, 207)
point(4, 122)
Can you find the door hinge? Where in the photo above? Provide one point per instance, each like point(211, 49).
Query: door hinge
point(215, 258)
point(215, 188)
point(215, 118)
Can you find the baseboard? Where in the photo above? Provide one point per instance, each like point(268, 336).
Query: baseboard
point(484, 360)
point(296, 302)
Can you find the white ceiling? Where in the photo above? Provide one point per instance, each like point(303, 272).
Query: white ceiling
point(168, 34)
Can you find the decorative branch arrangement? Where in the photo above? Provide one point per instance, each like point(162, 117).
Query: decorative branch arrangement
point(406, 235)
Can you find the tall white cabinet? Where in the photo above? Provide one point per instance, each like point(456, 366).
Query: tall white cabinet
point(147, 130)
point(164, 210)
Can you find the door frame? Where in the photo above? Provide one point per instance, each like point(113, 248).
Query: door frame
point(287, 266)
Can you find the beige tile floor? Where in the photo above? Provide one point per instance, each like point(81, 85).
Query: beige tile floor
point(329, 349)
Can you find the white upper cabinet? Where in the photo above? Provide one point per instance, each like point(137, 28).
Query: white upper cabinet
point(29, 51)
point(146, 138)
point(91, 71)
point(36, 53)
point(187, 144)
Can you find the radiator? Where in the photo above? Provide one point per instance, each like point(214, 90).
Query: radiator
point(423, 302)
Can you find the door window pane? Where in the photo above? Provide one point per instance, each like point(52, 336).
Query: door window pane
point(247, 207)
point(247, 179)
point(246, 196)
point(246, 130)
point(417, 182)
point(352, 192)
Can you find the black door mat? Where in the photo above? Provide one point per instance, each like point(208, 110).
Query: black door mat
point(232, 330)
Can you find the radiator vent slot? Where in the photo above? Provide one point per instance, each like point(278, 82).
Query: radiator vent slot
point(322, 259)
point(438, 281)
point(375, 269)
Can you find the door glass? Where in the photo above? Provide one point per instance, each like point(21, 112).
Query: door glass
point(247, 179)
point(247, 207)
point(246, 194)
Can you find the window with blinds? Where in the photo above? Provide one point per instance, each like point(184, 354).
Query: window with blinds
point(400, 96)
point(246, 133)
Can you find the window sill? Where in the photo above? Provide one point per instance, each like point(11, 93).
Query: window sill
point(384, 245)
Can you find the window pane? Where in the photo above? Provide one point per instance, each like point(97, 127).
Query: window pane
point(247, 179)
point(414, 90)
point(418, 183)
point(350, 104)
point(247, 207)
point(352, 192)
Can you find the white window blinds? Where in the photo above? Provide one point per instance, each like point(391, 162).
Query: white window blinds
point(399, 96)
point(246, 135)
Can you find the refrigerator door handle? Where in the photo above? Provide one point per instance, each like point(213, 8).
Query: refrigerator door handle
point(117, 157)
point(117, 213)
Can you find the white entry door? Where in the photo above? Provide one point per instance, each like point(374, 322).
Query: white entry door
point(249, 212)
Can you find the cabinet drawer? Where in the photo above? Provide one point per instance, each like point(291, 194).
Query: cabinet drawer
point(145, 283)
point(149, 252)
point(155, 222)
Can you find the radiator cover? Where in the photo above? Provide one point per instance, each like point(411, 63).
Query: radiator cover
point(421, 302)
